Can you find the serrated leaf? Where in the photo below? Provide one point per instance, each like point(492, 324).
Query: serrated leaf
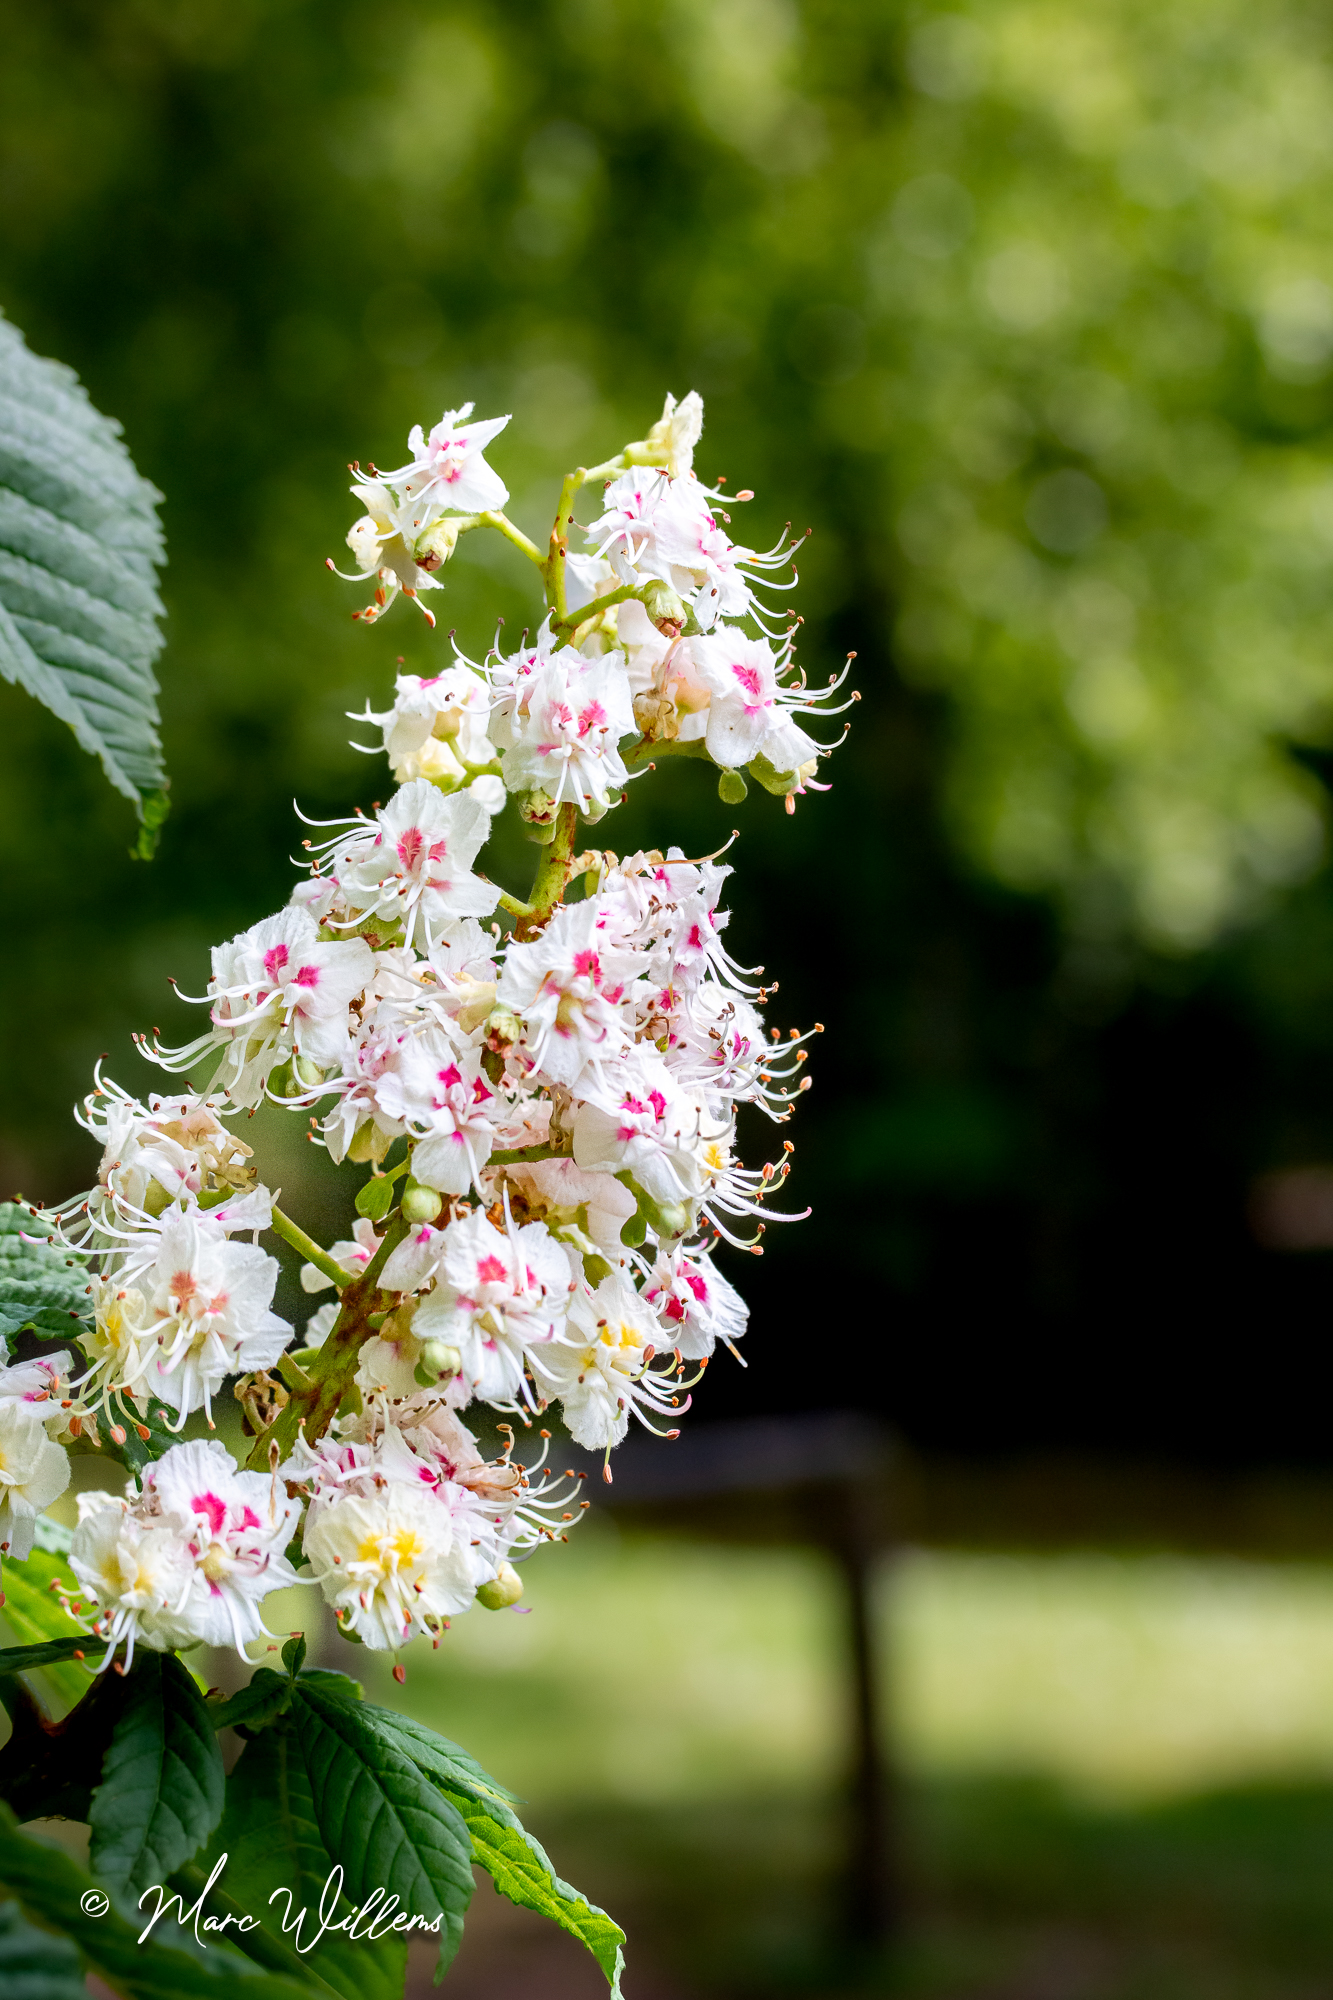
point(80, 546)
point(519, 1867)
point(270, 1834)
point(51, 1887)
point(437, 1755)
point(267, 1697)
point(50, 1653)
point(34, 1613)
point(389, 1827)
point(40, 1287)
point(516, 1863)
point(33, 1964)
point(161, 1793)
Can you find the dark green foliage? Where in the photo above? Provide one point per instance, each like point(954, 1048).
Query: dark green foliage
point(33, 1964)
point(39, 1287)
point(169, 1966)
point(161, 1792)
point(80, 547)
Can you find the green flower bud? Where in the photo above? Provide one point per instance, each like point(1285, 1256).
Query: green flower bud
point(537, 811)
point(436, 546)
point(504, 1589)
point(369, 1143)
point(420, 1204)
point(438, 1362)
point(665, 608)
point(731, 788)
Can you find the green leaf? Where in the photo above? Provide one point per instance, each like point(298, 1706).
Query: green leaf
point(375, 1197)
point(161, 1793)
point(80, 547)
point(520, 1870)
point(270, 1834)
point(137, 1452)
point(516, 1862)
point(34, 1613)
point(40, 1287)
point(267, 1697)
point(51, 1888)
point(33, 1964)
point(49, 1653)
point(379, 1817)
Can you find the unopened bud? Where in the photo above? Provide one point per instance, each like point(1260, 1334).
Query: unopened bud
point(503, 1029)
point(665, 608)
point(731, 788)
point(537, 810)
point(369, 1143)
point(438, 1363)
point(419, 1203)
point(436, 545)
point(307, 1074)
point(504, 1589)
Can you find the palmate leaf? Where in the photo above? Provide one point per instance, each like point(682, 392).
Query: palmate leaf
point(39, 1287)
point(501, 1844)
point(33, 1964)
point(47, 1771)
point(161, 1793)
point(168, 1966)
point(80, 546)
point(270, 1835)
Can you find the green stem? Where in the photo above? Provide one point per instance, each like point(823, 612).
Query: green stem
point(309, 1249)
point(553, 872)
point(514, 535)
point(515, 905)
point(335, 1363)
point(587, 612)
point(521, 1155)
point(554, 567)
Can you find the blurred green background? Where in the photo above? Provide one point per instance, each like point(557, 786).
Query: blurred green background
point(1027, 309)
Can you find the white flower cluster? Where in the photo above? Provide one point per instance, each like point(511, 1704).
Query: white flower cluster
point(549, 1114)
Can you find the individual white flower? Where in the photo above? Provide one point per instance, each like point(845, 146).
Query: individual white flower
point(571, 987)
point(384, 542)
point(695, 1304)
point(276, 990)
point(137, 1570)
point(187, 1308)
point(677, 431)
point(33, 1473)
point(391, 1561)
point(43, 1385)
point(669, 699)
point(190, 1557)
point(511, 680)
point(574, 713)
point(436, 729)
point(452, 1105)
point(447, 468)
point(412, 864)
point(749, 713)
point(599, 1367)
point(564, 1197)
point(647, 1124)
point(170, 1149)
point(655, 526)
point(497, 1297)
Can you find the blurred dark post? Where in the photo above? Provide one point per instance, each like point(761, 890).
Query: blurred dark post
point(857, 1541)
point(822, 1479)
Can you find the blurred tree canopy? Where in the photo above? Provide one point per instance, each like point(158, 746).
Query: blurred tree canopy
point(1027, 307)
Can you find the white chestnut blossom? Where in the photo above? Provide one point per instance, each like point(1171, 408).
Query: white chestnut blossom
point(565, 729)
point(498, 1295)
point(437, 729)
point(545, 1092)
point(185, 1307)
point(33, 1472)
point(188, 1558)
